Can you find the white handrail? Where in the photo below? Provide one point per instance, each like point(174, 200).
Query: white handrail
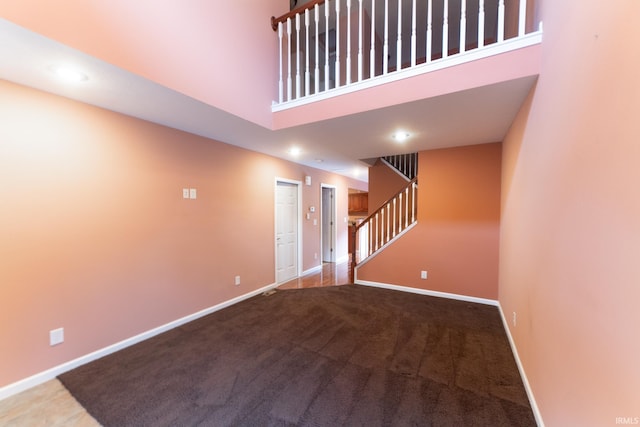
point(331, 40)
point(387, 223)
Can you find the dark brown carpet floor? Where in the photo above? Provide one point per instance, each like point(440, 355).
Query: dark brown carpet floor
point(348, 355)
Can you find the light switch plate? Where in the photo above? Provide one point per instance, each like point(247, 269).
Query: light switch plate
point(193, 193)
point(185, 193)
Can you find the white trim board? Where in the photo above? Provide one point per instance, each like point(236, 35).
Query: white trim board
point(496, 303)
point(428, 292)
point(523, 374)
point(312, 270)
point(49, 374)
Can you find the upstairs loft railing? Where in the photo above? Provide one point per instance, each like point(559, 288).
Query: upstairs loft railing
point(405, 164)
point(391, 220)
point(329, 45)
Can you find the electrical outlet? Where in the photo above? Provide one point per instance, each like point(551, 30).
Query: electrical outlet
point(237, 280)
point(515, 318)
point(193, 193)
point(56, 336)
point(423, 274)
point(185, 193)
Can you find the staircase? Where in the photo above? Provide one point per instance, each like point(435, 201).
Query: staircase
point(404, 164)
point(395, 217)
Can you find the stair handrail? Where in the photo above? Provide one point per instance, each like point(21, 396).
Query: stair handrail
point(385, 206)
point(300, 9)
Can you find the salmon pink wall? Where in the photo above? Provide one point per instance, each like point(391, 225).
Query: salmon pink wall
point(570, 234)
point(384, 183)
point(456, 238)
point(96, 237)
point(222, 53)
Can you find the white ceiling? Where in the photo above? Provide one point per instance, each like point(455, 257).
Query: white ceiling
point(486, 112)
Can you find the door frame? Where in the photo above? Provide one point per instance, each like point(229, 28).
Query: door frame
point(298, 185)
point(334, 217)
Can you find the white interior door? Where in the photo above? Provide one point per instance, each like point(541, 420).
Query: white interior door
point(286, 231)
point(328, 224)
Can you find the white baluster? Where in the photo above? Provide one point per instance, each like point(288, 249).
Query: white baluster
point(385, 47)
point(348, 64)
point(413, 203)
point(522, 18)
point(289, 82)
point(445, 30)
point(413, 34)
point(316, 10)
point(360, 34)
point(337, 82)
point(377, 231)
point(481, 23)
point(429, 29)
point(463, 26)
point(388, 225)
point(400, 204)
point(406, 190)
point(395, 216)
point(500, 21)
point(280, 82)
point(298, 78)
point(399, 39)
point(371, 232)
point(372, 51)
point(327, 74)
point(307, 71)
point(415, 192)
point(382, 222)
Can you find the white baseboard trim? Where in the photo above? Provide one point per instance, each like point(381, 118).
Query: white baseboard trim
point(523, 374)
point(312, 270)
point(49, 374)
point(343, 259)
point(514, 350)
point(428, 292)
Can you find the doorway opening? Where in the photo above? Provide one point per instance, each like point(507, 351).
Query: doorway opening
point(329, 234)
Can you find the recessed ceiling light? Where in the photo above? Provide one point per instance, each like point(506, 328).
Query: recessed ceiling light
point(295, 151)
point(69, 74)
point(401, 136)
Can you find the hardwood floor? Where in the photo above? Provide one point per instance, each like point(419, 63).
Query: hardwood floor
point(331, 274)
point(51, 405)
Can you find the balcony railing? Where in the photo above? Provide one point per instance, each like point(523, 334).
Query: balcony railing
point(332, 47)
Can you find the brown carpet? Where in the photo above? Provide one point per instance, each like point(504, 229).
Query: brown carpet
point(348, 355)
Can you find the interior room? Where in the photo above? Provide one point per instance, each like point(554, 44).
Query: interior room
point(345, 212)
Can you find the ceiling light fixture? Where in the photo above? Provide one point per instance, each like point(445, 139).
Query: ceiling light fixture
point(401, 136)
point(295, 151)
point(69, 74)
